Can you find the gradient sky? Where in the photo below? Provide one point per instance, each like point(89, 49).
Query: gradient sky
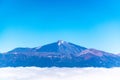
point(31, 23)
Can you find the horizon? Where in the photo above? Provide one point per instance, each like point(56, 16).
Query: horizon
point(32, 23)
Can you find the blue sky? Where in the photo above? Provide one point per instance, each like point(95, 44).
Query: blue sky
point(31, 23)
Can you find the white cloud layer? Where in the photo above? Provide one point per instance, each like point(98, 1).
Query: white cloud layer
point(35, 73)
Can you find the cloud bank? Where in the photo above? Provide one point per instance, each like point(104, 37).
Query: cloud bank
point(35, 73)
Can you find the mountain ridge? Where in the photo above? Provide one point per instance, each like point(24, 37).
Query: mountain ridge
point(59, 54)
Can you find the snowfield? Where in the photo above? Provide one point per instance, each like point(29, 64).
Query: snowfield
point(36, 73)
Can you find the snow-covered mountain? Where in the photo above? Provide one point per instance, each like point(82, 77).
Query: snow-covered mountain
point(59, 54)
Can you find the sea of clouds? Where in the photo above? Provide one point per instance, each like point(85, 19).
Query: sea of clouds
point(36, 73)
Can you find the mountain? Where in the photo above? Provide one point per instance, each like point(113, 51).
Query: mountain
point(59, 54)
point(97, 58)
point(62, 48)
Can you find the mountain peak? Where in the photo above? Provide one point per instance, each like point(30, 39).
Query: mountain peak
point(60, 42)
point(61, 47)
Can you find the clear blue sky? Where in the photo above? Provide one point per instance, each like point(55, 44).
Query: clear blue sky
point(31, 23)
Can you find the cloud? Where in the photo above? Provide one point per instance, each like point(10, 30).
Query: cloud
point(35, 73)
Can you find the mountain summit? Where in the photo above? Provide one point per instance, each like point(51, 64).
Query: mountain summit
point(59, 54)
point(61, 42)
point(61, 47)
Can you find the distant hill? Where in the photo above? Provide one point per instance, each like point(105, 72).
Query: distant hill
point(59, 54)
